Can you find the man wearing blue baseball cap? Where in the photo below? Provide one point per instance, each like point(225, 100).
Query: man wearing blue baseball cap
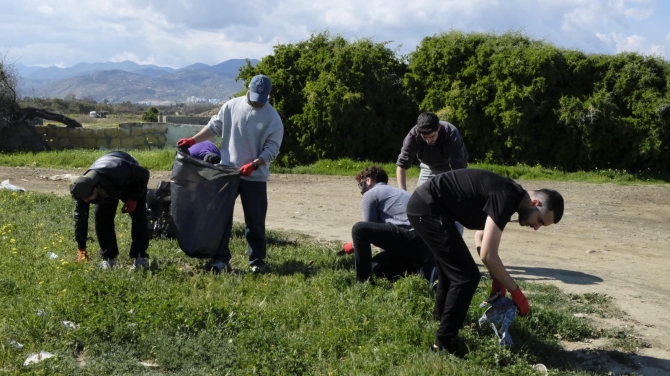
point(251, 132)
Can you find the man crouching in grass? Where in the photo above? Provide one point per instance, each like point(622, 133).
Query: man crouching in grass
point(114, 176)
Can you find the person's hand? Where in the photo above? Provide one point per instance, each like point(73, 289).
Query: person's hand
point(129, 206)
point(520, 301)
point(185, 142)
point(497, 287)
point(247, 169)
point(348, 248)
point(82, 255)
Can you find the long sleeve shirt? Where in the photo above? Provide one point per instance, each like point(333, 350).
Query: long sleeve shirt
point(446, 154)
point(248, 133)
point(385, 204)
point(121, 178)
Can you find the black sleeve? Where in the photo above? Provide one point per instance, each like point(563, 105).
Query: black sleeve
point(139, 179)
point(500, 206)
point(81, 210)
point(408, 152)
point(458, 154)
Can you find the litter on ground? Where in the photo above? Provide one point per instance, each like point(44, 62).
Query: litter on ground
point(36, 358)
point(5, 185)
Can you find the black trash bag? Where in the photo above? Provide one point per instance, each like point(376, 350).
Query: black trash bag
point(159, 217)
point(203, 196)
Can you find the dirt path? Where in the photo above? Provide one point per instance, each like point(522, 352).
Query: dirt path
point(612, 239)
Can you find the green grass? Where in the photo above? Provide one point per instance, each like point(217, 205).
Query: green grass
point(307, 315)
point(162, 159)
point(155, 159)
point(110, 121)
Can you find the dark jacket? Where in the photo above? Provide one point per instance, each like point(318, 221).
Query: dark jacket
point(121, 178)
point(446, 154)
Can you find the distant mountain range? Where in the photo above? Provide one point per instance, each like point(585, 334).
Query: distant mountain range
point(129, 81)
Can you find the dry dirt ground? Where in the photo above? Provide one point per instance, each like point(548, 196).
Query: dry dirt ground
point(612, 239)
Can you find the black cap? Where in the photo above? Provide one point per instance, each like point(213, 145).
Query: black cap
point(82, 187)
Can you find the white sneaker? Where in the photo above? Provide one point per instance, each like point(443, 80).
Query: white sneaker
point(140, 263)
point(108, 264)
point(258, 268)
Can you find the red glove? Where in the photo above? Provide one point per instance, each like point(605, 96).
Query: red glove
point(348, 248)
point(520, 301)
point(82, 255)
point(129, 207)
point(497, 287)
point(247, 169)
point(185, 142)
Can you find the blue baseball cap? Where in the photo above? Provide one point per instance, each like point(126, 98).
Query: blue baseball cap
point(259, 88)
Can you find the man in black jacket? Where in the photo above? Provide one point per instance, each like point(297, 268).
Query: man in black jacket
point(438, 145)
point(114, 176)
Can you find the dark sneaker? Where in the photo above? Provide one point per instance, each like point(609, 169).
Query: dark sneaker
point(141, 263)
point(258, 267)
point(447, 346)
point(217, 266)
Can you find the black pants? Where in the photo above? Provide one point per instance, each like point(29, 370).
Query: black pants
point(254, 197)
point(457, 271)
point(403, 250)
point(104, 229)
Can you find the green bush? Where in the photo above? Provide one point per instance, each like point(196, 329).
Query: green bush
point(337, 99)
point(150, 115)
point(518, 100)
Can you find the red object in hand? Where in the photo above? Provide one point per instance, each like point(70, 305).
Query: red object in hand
point(520, 301)
point(497, 287)
point(348, 248)
point(82, 255)
point(247, 169)
point(186, 142)
point(129, 207)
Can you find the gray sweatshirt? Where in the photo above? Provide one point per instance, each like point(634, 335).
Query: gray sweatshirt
point(248, 133)
point(385, 204)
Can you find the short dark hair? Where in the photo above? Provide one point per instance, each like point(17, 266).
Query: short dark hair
point(376, 173)
point(553, 200)
point(427, 122)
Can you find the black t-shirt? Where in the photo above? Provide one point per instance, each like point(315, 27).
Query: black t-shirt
point(469, 196)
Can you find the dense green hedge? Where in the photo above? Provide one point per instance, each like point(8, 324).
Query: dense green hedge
point(515, 99)
point(337, 98)
point(522, 100)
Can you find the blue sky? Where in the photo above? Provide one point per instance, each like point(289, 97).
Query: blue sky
point(177, 33)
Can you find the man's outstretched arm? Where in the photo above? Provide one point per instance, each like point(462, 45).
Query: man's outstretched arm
point(401, 176)
point(490, 258)
point(489, 255)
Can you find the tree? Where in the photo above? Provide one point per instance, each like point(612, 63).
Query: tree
point(519, 100)
point(15, 133)
point(150, 115)
point(337, 98)
point(9, 106)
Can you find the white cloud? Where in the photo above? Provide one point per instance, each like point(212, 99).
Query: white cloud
point(45, 9)
point(632, 43)
point(182, 32)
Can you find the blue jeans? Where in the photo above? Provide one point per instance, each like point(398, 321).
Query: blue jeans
point(254, 196)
